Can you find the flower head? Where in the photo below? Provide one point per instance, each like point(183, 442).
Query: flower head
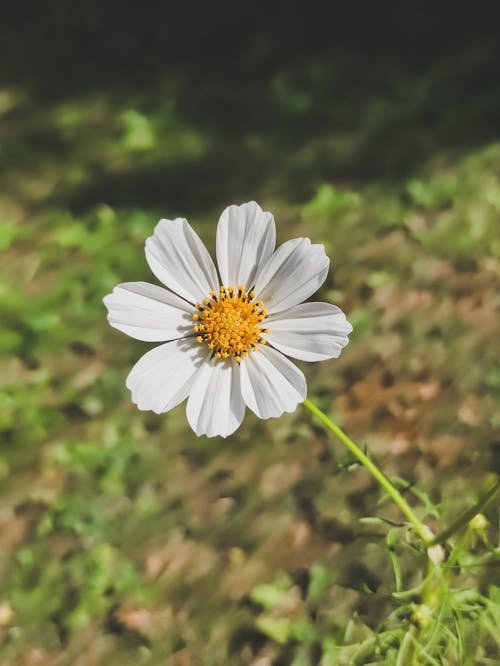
point(227, 333)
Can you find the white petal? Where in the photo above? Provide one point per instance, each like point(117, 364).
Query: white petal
point(179, 259)
point(294, 272)
point(148, 312)
point(215, 406)
point(310, 332)
point(246, 237)
point(161, 379)
point(270, 383)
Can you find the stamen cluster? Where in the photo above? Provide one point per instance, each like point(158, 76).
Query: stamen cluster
point(230, 322)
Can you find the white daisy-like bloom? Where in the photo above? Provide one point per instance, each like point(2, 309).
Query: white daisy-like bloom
point(227, 333)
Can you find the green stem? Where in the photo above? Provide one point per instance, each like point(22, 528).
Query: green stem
point(377, 474)
point(468, 515)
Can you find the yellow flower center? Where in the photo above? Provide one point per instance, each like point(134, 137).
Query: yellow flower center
point(230, 322)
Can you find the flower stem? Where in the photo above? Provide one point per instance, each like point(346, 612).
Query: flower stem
point(377, 474)
point(465, 517)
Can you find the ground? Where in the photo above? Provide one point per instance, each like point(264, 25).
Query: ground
point(124, 538)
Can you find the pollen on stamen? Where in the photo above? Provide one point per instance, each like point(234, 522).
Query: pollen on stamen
point(230, 322)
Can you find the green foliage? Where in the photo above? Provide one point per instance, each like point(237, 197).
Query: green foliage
point(70, 593)
point(445, 620)
point(330, 202)
point(440, 191)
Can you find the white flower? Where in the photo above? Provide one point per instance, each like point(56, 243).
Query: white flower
point(226, 333)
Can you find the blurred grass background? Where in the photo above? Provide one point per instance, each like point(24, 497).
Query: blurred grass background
point(374, 130)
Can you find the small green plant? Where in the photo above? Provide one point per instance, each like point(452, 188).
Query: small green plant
point(447, 618)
